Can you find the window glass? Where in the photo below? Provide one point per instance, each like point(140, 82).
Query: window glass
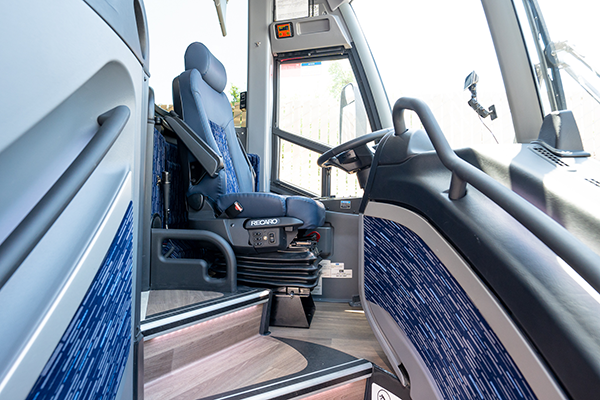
point(239, 115)
point(320, 101)
point(344, 185)
point(173, 26)
point(289, 9)
point(571, 32)
point(426, 49)
point(298, 166)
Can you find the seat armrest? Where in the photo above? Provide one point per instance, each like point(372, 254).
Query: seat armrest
point(205, 155)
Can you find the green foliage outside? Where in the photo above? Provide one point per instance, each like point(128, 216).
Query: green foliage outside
point(339, 79)
point(235, 94)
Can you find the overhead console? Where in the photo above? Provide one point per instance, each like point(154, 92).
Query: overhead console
point(318, 32)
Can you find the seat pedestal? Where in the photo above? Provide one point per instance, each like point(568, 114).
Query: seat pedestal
point(291, 274)
point(292, 310)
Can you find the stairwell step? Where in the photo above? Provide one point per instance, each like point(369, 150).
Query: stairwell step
point(172, 351)
point(176, 339)
point(254, 360)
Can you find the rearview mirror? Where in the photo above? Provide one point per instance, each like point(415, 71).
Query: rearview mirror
point(353, 118)
point(471, 80)
point(471, 84)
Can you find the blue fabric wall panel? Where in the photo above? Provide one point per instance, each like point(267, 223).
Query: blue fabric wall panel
point(89, 361)
point(178, 214)
point(166, 158)
point(158, 166)
point(463, 354)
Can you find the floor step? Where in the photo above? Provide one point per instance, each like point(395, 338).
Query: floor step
point(218, 350)
point(176, 339)
point(329, 374)
point(234, 367)
point(178, 318)
point(159, 301)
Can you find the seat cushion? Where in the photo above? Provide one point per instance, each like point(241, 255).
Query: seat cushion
point(311, 212)
point(256, 205)
point(259, 205)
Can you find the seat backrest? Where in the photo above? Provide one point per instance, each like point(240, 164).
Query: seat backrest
point(199, 99)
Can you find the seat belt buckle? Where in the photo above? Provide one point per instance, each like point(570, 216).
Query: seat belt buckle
point(234, 210)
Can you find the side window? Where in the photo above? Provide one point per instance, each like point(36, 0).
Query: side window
point(567, 75)
point(319, 106)
point(239, 114)
point(170, 34)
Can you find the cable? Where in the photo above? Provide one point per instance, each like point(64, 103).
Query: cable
point(486, 127)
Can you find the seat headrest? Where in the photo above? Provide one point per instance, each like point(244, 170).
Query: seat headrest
point(197, 56)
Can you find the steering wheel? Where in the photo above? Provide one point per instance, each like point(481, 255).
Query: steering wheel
point(353, 155)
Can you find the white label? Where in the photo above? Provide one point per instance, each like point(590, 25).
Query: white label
point(379, 393)
point(334, 270)
point(341, 273)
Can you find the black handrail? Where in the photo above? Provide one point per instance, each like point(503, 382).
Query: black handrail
point(161, 264)
point(17, 246)
point(580, 257)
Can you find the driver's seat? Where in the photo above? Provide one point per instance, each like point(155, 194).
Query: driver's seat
point(262, 228)
point(199, 100)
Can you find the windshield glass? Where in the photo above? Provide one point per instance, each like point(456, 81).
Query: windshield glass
point(430, 58)
point(562, 40)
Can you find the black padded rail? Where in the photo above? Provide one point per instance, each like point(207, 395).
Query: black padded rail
point(191, 273)
point(17, 246)
point(580, 257)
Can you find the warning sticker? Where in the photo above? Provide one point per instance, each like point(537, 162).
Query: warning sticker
point(379, 393)
point(334, 270)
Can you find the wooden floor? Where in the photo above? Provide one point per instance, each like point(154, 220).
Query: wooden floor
point(157, 301)
point(341, 327)
point(237, 363)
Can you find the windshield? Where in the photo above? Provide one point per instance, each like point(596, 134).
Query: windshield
point(430, 58)
point(562, 42)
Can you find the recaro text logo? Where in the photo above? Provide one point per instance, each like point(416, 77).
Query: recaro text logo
point(261, 222)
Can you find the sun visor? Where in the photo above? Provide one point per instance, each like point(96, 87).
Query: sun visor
point(308, 33)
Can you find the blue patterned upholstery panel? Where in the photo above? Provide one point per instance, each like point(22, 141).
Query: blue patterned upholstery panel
point(89, 361)
point(158, 166)
point(166, 158)
point(463, 354)
point(178, 214)
point(221, 139)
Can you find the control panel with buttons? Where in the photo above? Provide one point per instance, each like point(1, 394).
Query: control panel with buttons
point(264, 237)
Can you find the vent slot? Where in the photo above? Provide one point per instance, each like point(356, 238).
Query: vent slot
point(550, 157)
